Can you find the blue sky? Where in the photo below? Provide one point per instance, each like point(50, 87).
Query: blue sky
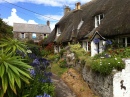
point(35, 11)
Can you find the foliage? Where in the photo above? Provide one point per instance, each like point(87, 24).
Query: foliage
point(5, 30)
point(62, 63)
point(79, 52)
point(11, 45)
point(50, 47)
point(54, 57)
point(45, 52)
point(122, 52)
point(13, 70)
point(105, 66)
point(41, 83)
point(61, 52)
point(35, 49)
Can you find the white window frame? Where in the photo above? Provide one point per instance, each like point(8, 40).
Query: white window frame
point(35, 35)
point(126, 41)
point(98, 19)
point(80, 24)
point(22, 35)
point(58, 31)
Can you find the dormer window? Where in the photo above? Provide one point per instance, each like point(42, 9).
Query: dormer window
point(80, 24)
point(98, 19)
point(58, 31)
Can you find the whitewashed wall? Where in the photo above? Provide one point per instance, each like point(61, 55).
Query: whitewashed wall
point(121, 82)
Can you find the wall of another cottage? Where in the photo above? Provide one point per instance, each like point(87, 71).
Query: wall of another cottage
point(28, 36)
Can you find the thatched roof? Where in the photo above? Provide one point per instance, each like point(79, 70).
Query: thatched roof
point(116, 20)
point(116, 17)
point(50, 38)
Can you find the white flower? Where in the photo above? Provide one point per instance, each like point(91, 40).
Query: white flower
point(115, 58)
point(102, 57)
point(100, 64)
point(119, 62)
point(109, 63)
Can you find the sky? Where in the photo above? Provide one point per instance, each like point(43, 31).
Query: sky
point(35, 11)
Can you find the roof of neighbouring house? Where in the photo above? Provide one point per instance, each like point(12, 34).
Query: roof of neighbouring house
point(36, 28)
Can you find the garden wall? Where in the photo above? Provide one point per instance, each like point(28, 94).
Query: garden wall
point(115, 85)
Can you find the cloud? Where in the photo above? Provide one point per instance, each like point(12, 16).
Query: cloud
point(14, 18)
point(58, 3)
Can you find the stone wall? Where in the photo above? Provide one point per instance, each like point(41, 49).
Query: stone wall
point(101, 85)
point(117, 84)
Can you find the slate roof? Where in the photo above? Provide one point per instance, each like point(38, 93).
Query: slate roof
point(37, 28)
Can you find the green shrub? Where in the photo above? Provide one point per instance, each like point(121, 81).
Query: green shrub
point(62, 63)
point(61, 52)
point(45, 53)
point(105, 66)
point(54, 57)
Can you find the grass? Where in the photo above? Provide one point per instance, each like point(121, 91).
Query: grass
point(56, 69)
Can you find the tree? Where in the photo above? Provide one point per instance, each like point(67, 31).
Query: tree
point(5, 30)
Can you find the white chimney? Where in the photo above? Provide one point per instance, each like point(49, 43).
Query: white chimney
point(66, 9)
point(77, 6)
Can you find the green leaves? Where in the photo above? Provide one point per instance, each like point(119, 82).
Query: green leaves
point(11, 45)
point(13, 71)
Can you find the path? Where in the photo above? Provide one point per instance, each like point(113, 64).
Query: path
point(62, 90)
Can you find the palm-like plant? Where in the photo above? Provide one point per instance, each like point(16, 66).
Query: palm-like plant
point(11, 45)
point(13, 70)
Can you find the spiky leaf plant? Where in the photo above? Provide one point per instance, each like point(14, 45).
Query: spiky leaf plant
point(13, 71)
point(11, 45)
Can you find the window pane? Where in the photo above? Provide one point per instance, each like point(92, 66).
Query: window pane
point(128, 41)
point(101, 16)
point(22, 35)
point(33, 35)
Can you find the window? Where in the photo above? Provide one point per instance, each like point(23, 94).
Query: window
point(98, 19)
point(58, 31)
point(22, 35)
point(80, 24)
point(124, 42)
point(34, 35)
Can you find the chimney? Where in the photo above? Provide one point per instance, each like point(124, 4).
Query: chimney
point(77, 6)
point(66, 9)
point(48, 23)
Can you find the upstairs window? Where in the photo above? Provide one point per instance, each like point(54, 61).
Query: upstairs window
point(58, 31)
point(80, 24)
point(98, 19)
point(34, 35)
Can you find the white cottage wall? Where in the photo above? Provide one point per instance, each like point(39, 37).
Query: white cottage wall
point(121, 82)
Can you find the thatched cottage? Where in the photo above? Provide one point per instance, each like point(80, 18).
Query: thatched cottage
point(36, 32)
point(97, 20)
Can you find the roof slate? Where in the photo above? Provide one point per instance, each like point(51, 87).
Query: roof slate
point(37, 28)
